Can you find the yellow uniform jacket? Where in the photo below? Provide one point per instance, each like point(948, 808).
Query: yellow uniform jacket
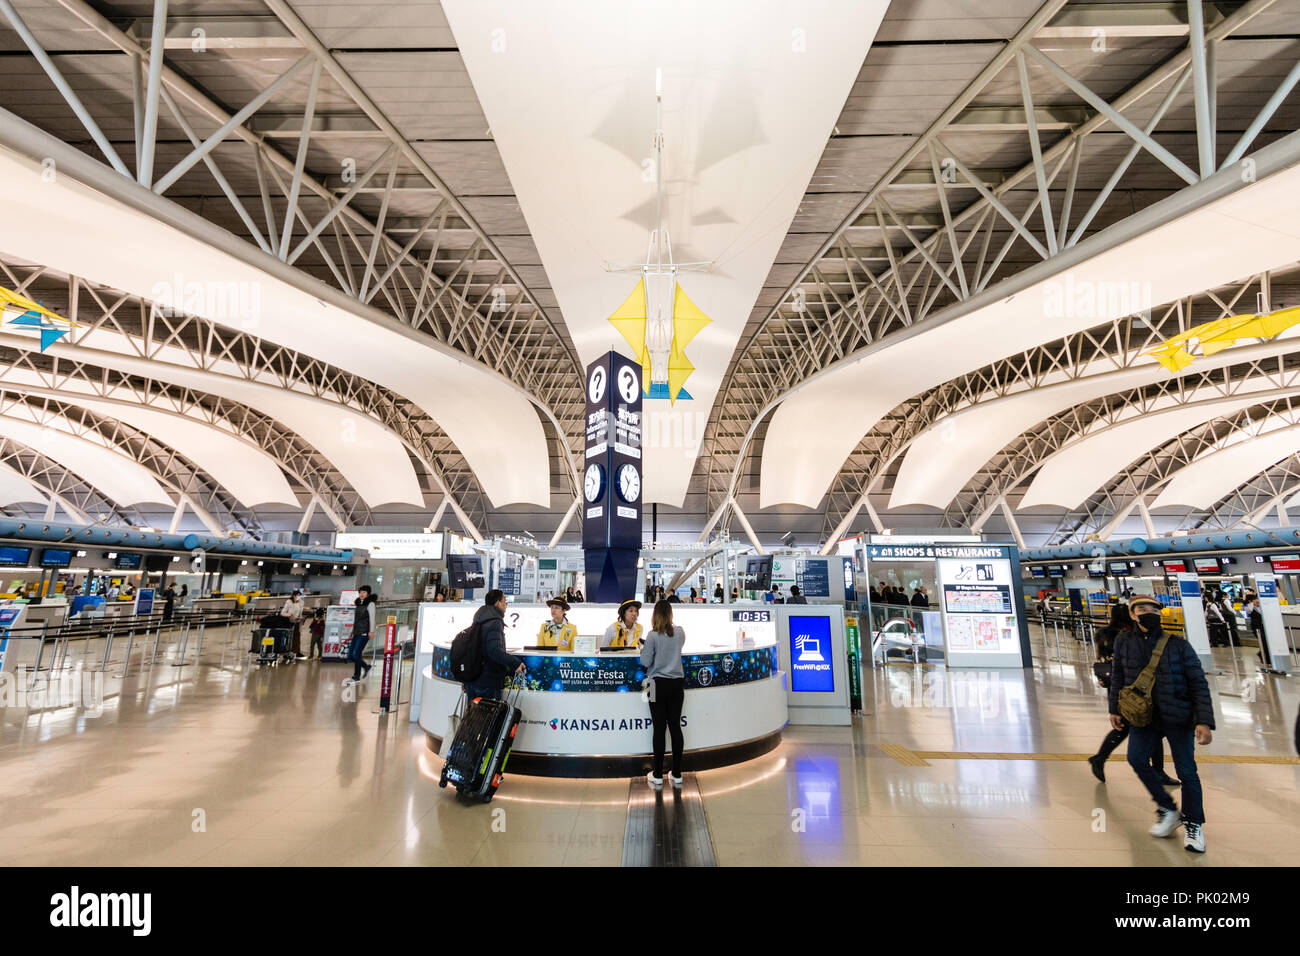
point(560, 636)
point(616, 635)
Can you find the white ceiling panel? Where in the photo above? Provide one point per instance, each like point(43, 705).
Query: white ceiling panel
point(371, 458)
point(15, 489)
point(751, 92)
point(118, 477)
point(1074, 473)
point(1214, 476)
point(242, 469)
point(968, 438)
point(74, 229)
point(816, 427)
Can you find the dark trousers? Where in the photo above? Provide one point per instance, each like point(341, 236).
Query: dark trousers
point(1144, 743)
point(493, 688)
point(357, 653)
point(1117, 737)
point(317, 645)
point(666, 713)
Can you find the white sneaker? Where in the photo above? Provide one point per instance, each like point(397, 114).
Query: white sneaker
point(1167, 821)
point(348, 681)
point(656, 782)
point(1193, 838)
point(677, 782)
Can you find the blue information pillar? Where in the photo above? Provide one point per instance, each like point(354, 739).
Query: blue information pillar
point(611, 479)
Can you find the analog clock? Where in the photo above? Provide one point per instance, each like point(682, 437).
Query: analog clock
point(629, 483)
point(593, 484)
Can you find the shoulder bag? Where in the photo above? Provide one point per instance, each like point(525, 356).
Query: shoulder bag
point(1135, 699)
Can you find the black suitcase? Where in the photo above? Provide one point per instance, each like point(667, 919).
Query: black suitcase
point(476, 760)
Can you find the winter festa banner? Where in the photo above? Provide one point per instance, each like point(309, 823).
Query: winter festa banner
point(624, 673)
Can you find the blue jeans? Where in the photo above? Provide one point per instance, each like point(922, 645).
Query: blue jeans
point(1144, 744)
point(357, 652)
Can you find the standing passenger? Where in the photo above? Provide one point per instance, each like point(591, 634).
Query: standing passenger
point(662, 657)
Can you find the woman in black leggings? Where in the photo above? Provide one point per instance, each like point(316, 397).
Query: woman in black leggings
point(661, 653)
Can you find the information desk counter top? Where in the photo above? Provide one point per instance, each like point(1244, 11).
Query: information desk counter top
point(585, 715)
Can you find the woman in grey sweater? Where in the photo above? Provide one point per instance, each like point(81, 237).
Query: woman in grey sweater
point(661, 653)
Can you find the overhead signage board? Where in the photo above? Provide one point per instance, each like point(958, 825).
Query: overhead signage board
point(393, 547)
point(907, 552)
point(1175, 565)
point(1286, 562)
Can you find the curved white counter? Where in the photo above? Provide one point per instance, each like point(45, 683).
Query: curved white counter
point(585, 715)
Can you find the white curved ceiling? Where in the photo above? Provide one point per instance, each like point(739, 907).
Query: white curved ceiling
point(969, 437)
point(15, 489)
point(371, 458)
point(816, 428)
point(1075, 472)
point(1214, 476)
point(751, 92)
point(120, 479)
point(250, 475)
point(74, 229)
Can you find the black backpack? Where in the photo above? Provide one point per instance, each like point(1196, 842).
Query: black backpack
point(467, 654)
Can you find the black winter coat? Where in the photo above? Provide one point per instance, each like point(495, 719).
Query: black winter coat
point(1180, 692)
point(498, 663)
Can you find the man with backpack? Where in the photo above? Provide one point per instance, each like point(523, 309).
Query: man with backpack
point(1159, 690)
point(483, 652)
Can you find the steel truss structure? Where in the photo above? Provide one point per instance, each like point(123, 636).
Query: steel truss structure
point(1114, 347)
point(889, 269)
point(386, 232)
point(147, 329)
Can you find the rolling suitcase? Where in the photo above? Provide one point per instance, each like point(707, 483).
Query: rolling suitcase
point(481, 746)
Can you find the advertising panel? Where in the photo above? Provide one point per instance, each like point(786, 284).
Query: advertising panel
point(338, 633)
point(811, 668)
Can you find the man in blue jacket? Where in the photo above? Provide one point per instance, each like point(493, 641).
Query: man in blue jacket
point(498, 663)
point(1183, 713)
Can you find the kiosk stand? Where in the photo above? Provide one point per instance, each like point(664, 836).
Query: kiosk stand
point(1276, 652)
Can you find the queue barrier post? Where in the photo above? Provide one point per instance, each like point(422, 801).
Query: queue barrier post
point(108, 646)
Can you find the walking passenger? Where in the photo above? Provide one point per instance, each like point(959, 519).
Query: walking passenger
point(1120, 621)
point(661, 654)
point(1181, 711)
point(363, 622)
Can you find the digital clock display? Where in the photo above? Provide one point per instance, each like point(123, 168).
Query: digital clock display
point(751, 617)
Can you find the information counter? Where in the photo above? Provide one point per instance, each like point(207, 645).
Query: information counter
point(584, 715)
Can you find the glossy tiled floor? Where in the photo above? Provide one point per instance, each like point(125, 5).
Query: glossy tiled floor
point(223, 763)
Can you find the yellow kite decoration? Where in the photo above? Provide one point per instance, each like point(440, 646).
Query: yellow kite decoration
point(661, 352)
point(1175, 354)
point(22, 313)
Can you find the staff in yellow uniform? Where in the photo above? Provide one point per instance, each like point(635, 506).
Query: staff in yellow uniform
point(557, 632)
point(625, 632)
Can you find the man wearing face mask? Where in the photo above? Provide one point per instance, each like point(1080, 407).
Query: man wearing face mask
point(1182, 712)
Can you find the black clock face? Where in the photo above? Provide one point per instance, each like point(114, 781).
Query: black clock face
point(629, 483)
point(593, 483)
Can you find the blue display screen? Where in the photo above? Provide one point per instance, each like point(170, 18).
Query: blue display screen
point(9, 555)
point(812, 668)
point(55, 558)
point(127, 562)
